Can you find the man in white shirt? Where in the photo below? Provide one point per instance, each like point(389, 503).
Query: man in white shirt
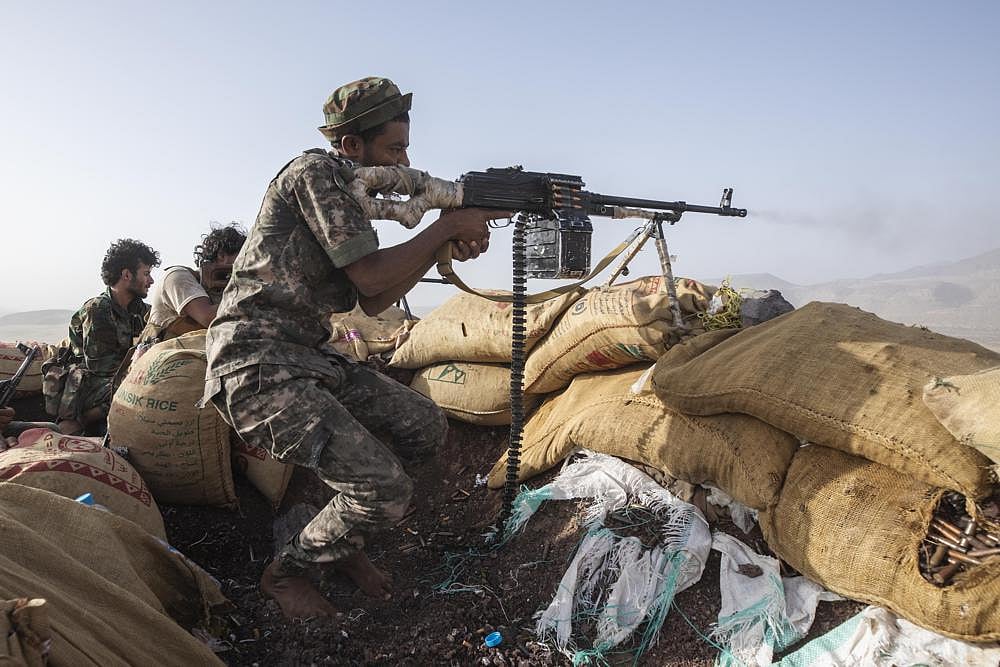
point(186, 300)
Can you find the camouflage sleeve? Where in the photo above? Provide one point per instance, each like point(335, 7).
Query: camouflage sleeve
point(101, 352)
point(337, 222)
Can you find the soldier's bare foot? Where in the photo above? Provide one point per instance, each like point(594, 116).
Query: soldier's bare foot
point(296, 596)
point(365, 575)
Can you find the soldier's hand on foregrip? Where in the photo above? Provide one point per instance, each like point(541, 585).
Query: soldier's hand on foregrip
point(426, 192)
point(462, 251)
point(6, 417)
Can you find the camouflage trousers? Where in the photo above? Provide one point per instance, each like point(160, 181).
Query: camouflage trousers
point(70, 391)
point(325, 422)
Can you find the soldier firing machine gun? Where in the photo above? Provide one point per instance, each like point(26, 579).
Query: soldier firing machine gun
point(551, 239)
point(9, 387)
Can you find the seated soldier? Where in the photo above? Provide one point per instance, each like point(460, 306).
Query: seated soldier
point(186, 300)
point(78, 382)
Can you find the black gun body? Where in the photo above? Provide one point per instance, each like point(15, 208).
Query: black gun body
point(560, 195)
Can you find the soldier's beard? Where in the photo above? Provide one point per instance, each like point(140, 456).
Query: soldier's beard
point(137, 288)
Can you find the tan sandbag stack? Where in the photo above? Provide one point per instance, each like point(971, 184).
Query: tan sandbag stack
point(114, 594)
point(469, 392)
point(358, 336)
point(856, 527)
point(470, 328)
point(612, 327)
point(969, 407)
point(180, 450)
point(837, 376)
point(72, 466)
point(616, 413)
point(11, 359)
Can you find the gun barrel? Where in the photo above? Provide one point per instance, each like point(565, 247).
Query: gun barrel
point(10, 386)
point(678, 206)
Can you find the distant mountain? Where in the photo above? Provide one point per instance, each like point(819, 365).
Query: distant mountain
point(37, 317)
point(955, 298)
point(757, 281)
point(984, 263)
point(47, 326)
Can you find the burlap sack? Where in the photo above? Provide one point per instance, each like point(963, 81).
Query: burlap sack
point(180, 450)
point(856, 527)
point(470, 328)
point(474, 393)
point(11, 359)
point(72, 466)
point(741, 455)
point(358, 336)
point(268, 475)
point(969, 407)
point(612, 327)
point(115, 594)
point(691, 347)
point(840, 377)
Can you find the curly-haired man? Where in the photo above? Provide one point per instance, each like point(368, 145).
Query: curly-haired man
point(186, 299)
point(101, 333)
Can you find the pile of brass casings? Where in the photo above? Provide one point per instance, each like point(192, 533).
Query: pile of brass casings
point(957, 544)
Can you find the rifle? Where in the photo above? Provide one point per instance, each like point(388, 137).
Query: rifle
point(9, 387)
point(213, 277)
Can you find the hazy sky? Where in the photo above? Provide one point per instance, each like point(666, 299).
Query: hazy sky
point(862, 136)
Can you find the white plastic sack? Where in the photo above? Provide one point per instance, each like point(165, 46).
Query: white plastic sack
point(645, 581)
point(761, 611)
point(879, 638)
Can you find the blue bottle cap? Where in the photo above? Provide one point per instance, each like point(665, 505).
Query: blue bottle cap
point(493, 639)
point(86, 499)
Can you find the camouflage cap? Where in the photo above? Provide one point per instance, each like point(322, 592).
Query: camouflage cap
point(361, 105)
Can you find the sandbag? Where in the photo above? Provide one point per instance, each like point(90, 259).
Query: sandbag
point(267, 474)
point(115, 594)
point(856, 527)
point(840, 377)
point(473, 393)
point(180, 450)
point(608, 413)
point(11, 359)
point(470, 328)
point(969, 407)
point(358, 336)
point(612, 327)
point(72, 466)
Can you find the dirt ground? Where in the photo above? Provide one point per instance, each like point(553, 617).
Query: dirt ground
point(428, 621)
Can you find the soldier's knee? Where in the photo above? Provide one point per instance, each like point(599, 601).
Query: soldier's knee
point(437, 427)
point(395, 496)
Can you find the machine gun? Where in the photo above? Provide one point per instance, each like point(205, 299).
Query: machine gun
point(551, 239)
point(9, 387)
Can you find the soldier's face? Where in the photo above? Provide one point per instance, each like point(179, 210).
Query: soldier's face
point(389, 148)
point(140, 281)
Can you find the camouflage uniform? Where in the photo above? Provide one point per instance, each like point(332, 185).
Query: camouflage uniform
point(271, 381)
point(100, 335)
